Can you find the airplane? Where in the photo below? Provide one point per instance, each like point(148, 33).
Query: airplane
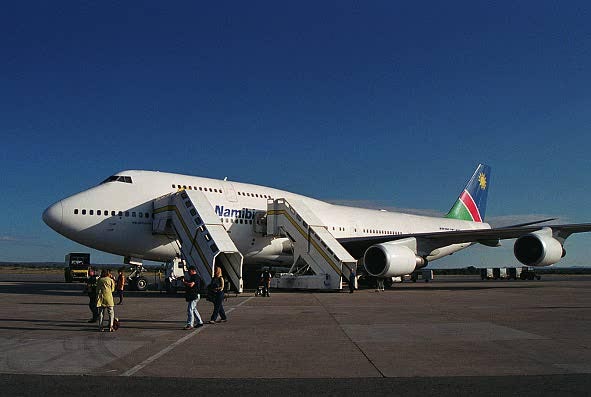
point(117, 216)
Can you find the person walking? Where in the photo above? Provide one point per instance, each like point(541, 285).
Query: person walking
point(192, 297)
point(104, 288)
point(91, 291)
point(217, 287)
point(266, 281)
point(120, 285)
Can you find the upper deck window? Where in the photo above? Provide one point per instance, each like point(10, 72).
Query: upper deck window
point(117, 178)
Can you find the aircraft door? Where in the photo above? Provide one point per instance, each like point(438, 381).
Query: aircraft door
point(260, 222)
point(230, 192)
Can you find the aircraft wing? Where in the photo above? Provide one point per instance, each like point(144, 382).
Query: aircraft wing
point(433, 240)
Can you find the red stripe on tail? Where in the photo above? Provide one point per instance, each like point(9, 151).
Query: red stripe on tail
point(471, 206)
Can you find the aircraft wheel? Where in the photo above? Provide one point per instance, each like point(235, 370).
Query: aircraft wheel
point(141, 284)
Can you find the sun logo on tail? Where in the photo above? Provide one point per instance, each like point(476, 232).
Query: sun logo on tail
point(482, 181)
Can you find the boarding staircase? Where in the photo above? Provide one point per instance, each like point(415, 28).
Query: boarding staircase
point(204, 241)
point(320, 261)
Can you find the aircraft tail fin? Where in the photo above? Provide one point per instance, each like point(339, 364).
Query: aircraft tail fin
point(471, 205)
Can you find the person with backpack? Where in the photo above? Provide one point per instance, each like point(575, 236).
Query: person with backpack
point(192, 297)
point(92, 296)
point(217, 289)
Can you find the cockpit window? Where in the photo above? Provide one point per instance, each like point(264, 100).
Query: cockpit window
point(117, 178)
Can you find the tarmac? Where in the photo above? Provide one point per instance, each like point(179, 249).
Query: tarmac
point(456, 335)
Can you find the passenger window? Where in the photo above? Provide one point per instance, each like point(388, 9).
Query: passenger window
point(76, 211)
point(91, 212)
point(133, 214)
point(147, 214)
point(126, 213)
point(83, 212)
point(112, 213)
point(215, 190)
point(98, 212)
point(221, 191)
point(200, 188)
point(210, 189)
point(120, 213)
point(141, 214)
point(106, 212)
point(173, 186)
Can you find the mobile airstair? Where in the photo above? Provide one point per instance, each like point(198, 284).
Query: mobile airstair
point(204, 241)
point(320, 261)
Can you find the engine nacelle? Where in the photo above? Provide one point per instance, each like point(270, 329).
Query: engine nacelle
point(538, 248)
point(391, 260)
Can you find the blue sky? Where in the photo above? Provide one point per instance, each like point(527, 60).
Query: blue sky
point(378, 103)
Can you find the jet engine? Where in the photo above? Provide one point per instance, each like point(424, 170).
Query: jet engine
point(538, 248)
point(391, 260)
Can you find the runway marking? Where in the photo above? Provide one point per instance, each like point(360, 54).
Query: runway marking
point(167, 349)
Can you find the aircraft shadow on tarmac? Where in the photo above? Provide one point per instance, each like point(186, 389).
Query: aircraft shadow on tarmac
point(441, 287)
point(63, 289)
point(43, 288)
point(83, 326)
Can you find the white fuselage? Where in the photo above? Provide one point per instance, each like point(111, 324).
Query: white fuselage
point(116, 217)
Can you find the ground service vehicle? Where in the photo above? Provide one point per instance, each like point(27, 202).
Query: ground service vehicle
point(77, 265)
point(173, 274)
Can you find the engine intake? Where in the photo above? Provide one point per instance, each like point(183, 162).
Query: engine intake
point(538, 248)
point(391, 260)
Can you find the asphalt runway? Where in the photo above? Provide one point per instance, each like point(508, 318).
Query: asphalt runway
point(457, 335)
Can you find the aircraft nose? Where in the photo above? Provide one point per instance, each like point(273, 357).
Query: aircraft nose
point(53, 216)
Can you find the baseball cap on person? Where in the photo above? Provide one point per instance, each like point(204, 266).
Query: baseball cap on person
point(192, 267)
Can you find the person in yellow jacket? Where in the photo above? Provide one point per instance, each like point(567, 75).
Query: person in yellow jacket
point(104, 289)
